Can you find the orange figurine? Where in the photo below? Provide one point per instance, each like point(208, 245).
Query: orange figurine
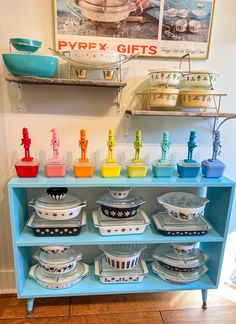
point(83, 143)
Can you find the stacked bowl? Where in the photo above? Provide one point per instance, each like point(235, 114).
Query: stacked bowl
point(183, 215)
point(121, 264)
point(179, 263)
point(58, 267)
point(57, 214)
point(119, 213)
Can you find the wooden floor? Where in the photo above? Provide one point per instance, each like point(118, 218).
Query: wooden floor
point(179, 307)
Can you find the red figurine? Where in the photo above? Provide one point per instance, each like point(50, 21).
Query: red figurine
point(26, 141)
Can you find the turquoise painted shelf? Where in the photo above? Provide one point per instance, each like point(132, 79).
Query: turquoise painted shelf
point(92, 286)
point(89, 235)
point(220, 193)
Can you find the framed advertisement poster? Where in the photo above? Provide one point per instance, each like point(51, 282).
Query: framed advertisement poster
point(152, 28)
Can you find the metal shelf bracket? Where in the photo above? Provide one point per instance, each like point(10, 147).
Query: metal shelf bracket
point(19, 97)
point(127, 124)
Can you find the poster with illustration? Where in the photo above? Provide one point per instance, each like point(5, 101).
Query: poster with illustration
point(154, 28)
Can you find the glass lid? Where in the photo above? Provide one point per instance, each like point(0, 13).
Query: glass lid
point(47, 202)
point(179, 276)
point(60, 279)
point(123, 250)
point(128, 202)
point(106, 270)
point(37, 222)
point(58, 259)
point(109, 221)
point(169, 223)
point(166, 254)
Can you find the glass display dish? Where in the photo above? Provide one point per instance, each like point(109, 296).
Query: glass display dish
point(122, 256)
point(178, 277)
point(59, 281)
point(134, 225)
point(120, 208)
point(43, 227)
point(182, 205)
point(173, 261)
point(111, 275)
point(170, 226)
point(62, 209)
point(58, 263)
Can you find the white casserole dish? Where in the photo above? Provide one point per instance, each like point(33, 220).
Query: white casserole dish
point(127, 226)
point(109, 275)
point(196, 98)
point(199, 79)
point(161, 97)
point(165, 77)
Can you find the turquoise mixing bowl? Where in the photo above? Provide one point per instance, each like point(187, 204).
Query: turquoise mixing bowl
point(25, 44)
point(31, 65)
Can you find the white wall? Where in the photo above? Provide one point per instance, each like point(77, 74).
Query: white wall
point(72, 108)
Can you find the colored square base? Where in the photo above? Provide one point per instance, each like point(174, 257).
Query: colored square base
point(137, 171)
point(83, 171)
point(55, 170)
point(27, 171)
point(188, 171)
point(162, 170)
point(213, 169)
point(110, 171)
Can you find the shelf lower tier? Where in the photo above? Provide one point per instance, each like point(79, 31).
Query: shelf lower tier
point(92, 286)
point(90, 236)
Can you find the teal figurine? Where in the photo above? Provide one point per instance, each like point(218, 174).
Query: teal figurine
point(189, 168)
point(163, 167)
point(214, 168)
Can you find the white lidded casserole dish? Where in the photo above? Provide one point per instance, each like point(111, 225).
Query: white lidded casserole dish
point(199, 79)
point(109, 275)
point(110, 226)
point(182, 205)
point(59, 281)
point(122, 256)
point(165, 77)
point(178, 277)
point(54, 249)
point(161, 97)
point(201, 99)
point(58, 263)
point(62, 209)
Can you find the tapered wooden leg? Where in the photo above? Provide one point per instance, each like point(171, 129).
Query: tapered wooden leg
point(30, 305)
point(204, 298)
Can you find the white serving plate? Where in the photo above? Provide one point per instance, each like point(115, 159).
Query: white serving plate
point(120, 226)
point(59, 281)
point(110, 275)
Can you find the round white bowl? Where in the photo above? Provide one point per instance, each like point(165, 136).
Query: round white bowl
point(196, 98)
point(165, 77)
point(183, 248)
point(119, 193)
point(161, 97)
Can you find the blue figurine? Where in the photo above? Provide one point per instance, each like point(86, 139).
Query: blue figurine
point(214, 168)
point(189, 168)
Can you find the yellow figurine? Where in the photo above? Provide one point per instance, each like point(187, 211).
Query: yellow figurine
point(137, 145)
point(83, 143)
point(111, 143)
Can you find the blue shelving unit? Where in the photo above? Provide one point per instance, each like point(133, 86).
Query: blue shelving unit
point(220, 192)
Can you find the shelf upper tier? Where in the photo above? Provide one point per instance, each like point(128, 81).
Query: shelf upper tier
point(179, 114)
point(66, 82)
point(42, 181)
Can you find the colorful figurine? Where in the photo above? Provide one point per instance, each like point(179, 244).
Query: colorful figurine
point(191, 146)
point(83, 143)
point(137, 145)
point(189, 168)
point(165, 146)
point(55, 142)
point(163, 168)
point(214, 168)
point(111, 143)
point(26, 141)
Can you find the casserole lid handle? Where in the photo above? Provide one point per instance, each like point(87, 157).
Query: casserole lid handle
point(97, 268)
point(145, 268)
point(84, 219)
point(86, 270)
point(31, 203)
point(95, 219)
point(36, 255)
point(32, 270)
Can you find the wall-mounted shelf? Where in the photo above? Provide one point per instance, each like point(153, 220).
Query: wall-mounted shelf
point(65, 82)
point(183, 114)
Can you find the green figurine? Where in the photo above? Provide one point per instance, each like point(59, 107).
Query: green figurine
point(137, 145)
point(191, 146)
point(165, 146)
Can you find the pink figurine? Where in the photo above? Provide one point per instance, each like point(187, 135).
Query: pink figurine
point(55, 142)
point(26, 141)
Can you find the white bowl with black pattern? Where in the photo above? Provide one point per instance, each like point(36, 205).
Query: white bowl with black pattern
point(54, 249)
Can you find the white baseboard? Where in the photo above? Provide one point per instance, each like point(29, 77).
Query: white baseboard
point(7, 282)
